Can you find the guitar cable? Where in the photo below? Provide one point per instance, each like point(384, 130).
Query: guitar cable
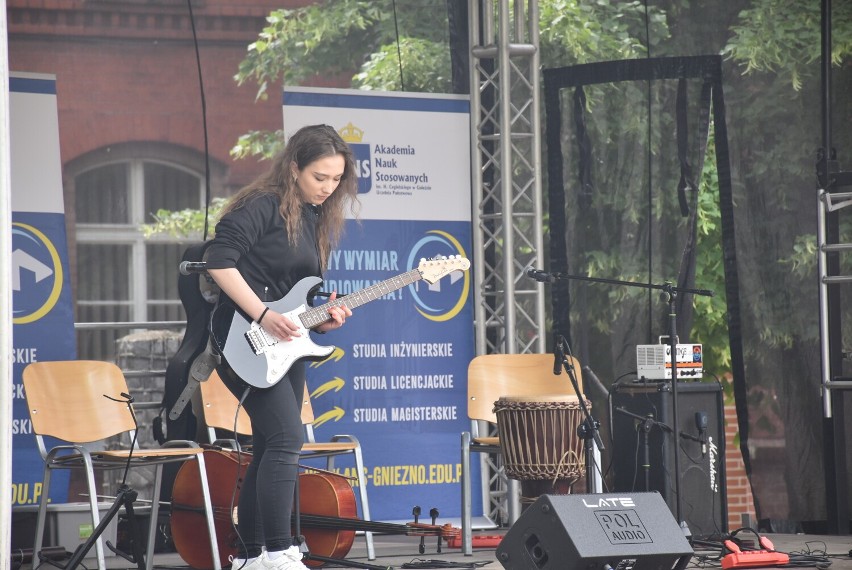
point(421, 563)
point(239, 450)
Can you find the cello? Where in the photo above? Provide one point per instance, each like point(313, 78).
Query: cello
point(327, 512)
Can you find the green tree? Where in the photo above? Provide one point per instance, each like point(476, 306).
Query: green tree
point(783, 37)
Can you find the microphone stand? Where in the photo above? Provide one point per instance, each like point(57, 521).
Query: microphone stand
point(125, 497)
point(645, 425)
point(589, 429)
point(670, 292)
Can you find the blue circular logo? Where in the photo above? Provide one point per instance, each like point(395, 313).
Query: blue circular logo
point(444, 299)
point(36, 274)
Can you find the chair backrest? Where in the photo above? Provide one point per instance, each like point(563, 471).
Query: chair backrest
point(491, 376)
point(308, 416)
point(307, 409)
point(220, 406)
point(67, 400)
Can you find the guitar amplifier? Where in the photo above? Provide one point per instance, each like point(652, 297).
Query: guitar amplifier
point(654, 361)
point(701, 463)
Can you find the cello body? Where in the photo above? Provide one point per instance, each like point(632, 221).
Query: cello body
point(225, 472)
point(321, 494)
point(326, 495)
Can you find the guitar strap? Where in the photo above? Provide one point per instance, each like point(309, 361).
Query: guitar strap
point(200, 370)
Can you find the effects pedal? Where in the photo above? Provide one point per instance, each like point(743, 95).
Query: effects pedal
point(767, 556)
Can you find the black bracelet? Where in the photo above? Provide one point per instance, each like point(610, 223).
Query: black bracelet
point(263, 314)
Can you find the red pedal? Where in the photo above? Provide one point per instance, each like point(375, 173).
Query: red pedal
point(477, 541)
point(753, 558)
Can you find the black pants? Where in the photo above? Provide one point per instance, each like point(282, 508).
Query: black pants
point(266, 496)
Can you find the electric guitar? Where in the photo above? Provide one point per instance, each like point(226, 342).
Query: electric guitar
point(262, 360)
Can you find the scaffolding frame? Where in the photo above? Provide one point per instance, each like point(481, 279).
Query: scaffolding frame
point(506, 158)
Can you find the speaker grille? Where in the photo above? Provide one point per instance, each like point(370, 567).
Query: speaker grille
point(702, 465)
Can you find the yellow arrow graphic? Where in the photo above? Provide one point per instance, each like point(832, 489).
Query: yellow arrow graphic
point(335, 384)
point(335, 355)
point(333, 414)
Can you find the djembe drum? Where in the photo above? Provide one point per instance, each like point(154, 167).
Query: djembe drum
point(540, 444)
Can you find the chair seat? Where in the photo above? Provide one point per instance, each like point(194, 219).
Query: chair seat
point(118, 457)
point(122, 454)
point(489, 441)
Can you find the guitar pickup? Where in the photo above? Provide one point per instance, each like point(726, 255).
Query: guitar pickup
point(253, 336)
point(259, 340)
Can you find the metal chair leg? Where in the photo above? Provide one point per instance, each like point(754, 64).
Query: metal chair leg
point(466, 506)
point(208, 511)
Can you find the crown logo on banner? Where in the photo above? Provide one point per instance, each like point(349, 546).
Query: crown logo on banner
point(351, 134)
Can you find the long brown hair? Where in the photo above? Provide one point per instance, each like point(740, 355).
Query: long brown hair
point(307, 145)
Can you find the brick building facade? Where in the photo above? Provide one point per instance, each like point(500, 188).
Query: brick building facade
point(127, 71)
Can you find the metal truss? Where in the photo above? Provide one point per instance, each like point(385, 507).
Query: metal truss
point(507, 231)
point(506, 154)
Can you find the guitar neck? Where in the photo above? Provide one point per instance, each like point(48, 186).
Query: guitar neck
point(319, 315)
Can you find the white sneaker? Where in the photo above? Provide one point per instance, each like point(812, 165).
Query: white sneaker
point(243, 564)
point(290, 559)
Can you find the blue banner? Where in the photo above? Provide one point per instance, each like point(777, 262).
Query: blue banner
point(43, 319)
point(397, 380)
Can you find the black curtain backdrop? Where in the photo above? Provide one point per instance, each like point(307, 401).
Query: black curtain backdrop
point(625, 144)
point(607, 200)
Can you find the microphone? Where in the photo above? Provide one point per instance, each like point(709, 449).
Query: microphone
point(701, 424)
point(558, 356)
point(539, 275)
point(190, 267)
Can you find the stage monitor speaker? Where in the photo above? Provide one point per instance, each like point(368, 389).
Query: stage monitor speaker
point(595, 532)
point(702, 463)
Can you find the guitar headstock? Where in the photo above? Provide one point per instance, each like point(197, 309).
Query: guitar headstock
point(431, 270)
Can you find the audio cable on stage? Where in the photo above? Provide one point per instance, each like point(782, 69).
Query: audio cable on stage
point(424, 564)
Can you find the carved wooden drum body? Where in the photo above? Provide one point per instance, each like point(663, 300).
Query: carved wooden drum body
point(538, 437)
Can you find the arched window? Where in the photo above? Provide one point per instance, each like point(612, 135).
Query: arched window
point(121, 276)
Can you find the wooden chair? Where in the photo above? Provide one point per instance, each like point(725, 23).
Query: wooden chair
point(220, 406)
point(71, 401)
point(490, 377)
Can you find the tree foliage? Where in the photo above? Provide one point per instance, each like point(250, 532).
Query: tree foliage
point(784, 37)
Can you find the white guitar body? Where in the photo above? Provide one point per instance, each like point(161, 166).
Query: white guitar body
point(261, 360)
point(280, 355)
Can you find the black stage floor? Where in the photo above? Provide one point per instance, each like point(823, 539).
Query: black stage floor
point(398, 551)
